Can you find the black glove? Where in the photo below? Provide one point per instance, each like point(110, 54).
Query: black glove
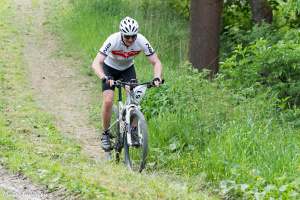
point(156, 80)
point(107, 78)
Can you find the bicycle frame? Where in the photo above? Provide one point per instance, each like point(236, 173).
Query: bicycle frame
point(130, 106)
point(130, 126)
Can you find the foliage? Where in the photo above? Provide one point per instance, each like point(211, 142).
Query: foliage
point(287, 13)
point(181, 6)
point(282, 188)
point(226, 140)
point(237, 13)
point(268, 63)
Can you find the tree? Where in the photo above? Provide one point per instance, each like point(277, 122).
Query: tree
point(261, 11)
point(204, 34)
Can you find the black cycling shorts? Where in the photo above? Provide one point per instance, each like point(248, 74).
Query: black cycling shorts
point(125, 75)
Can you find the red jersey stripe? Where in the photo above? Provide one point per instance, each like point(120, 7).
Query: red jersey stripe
point(125, 54)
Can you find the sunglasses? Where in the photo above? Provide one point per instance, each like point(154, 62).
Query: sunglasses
point(127, 37)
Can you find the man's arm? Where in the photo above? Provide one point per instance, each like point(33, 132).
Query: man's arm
point(157, 67)
point(98, 65)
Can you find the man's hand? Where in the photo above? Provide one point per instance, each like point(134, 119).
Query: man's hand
point(156, 81)
point(109, 80)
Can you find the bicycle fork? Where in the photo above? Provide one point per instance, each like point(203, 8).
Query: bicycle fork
point(129, 111)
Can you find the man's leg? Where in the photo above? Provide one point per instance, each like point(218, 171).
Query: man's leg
point(108, 96)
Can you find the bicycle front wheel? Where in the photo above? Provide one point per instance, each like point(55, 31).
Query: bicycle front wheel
point(115, 133)
point(136, 152)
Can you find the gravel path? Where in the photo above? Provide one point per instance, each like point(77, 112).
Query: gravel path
point(20, 188)
point(58, 88)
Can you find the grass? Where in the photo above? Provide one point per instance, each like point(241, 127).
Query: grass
point(198, 128)
point(31, 144)
point(232, 133)
point(4, 195)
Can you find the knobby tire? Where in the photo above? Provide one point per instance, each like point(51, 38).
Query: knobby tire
point(135, 157)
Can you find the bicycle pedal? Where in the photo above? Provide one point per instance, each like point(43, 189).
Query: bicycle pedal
point(135, 144)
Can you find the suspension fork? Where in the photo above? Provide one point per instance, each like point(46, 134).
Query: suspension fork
point(130, 109)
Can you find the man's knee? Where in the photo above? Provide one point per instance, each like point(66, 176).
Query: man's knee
point(108, 97)
point(108, 103)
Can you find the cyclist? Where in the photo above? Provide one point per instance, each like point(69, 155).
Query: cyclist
point(115, 61)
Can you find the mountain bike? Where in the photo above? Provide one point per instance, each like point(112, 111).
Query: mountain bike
point(129, 128)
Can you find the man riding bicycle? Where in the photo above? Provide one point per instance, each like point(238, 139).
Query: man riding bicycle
point(114, 61)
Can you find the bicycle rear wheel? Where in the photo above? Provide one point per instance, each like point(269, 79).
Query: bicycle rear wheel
point(135, 155)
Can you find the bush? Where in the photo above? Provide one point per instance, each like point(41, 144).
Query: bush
point(287, 13)
point(267, 65)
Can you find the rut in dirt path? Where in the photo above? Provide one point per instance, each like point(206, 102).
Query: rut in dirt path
point(59, 88)
point(19, 188)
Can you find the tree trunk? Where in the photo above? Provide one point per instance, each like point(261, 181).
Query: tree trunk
point(261, 11)
point(204, 37)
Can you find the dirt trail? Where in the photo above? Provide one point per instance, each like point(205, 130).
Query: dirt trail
point(59, 88)
point(20, 188)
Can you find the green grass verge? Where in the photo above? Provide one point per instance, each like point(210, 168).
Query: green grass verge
point(31, 144)
point(4, 195)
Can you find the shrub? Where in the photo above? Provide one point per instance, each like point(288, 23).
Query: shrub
point(267, 65)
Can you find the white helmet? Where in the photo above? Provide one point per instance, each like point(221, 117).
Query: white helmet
point(129, 26)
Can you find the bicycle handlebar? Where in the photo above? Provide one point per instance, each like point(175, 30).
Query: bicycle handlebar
point(132, 85)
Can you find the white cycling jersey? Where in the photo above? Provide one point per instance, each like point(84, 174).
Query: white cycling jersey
point(119, 56)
